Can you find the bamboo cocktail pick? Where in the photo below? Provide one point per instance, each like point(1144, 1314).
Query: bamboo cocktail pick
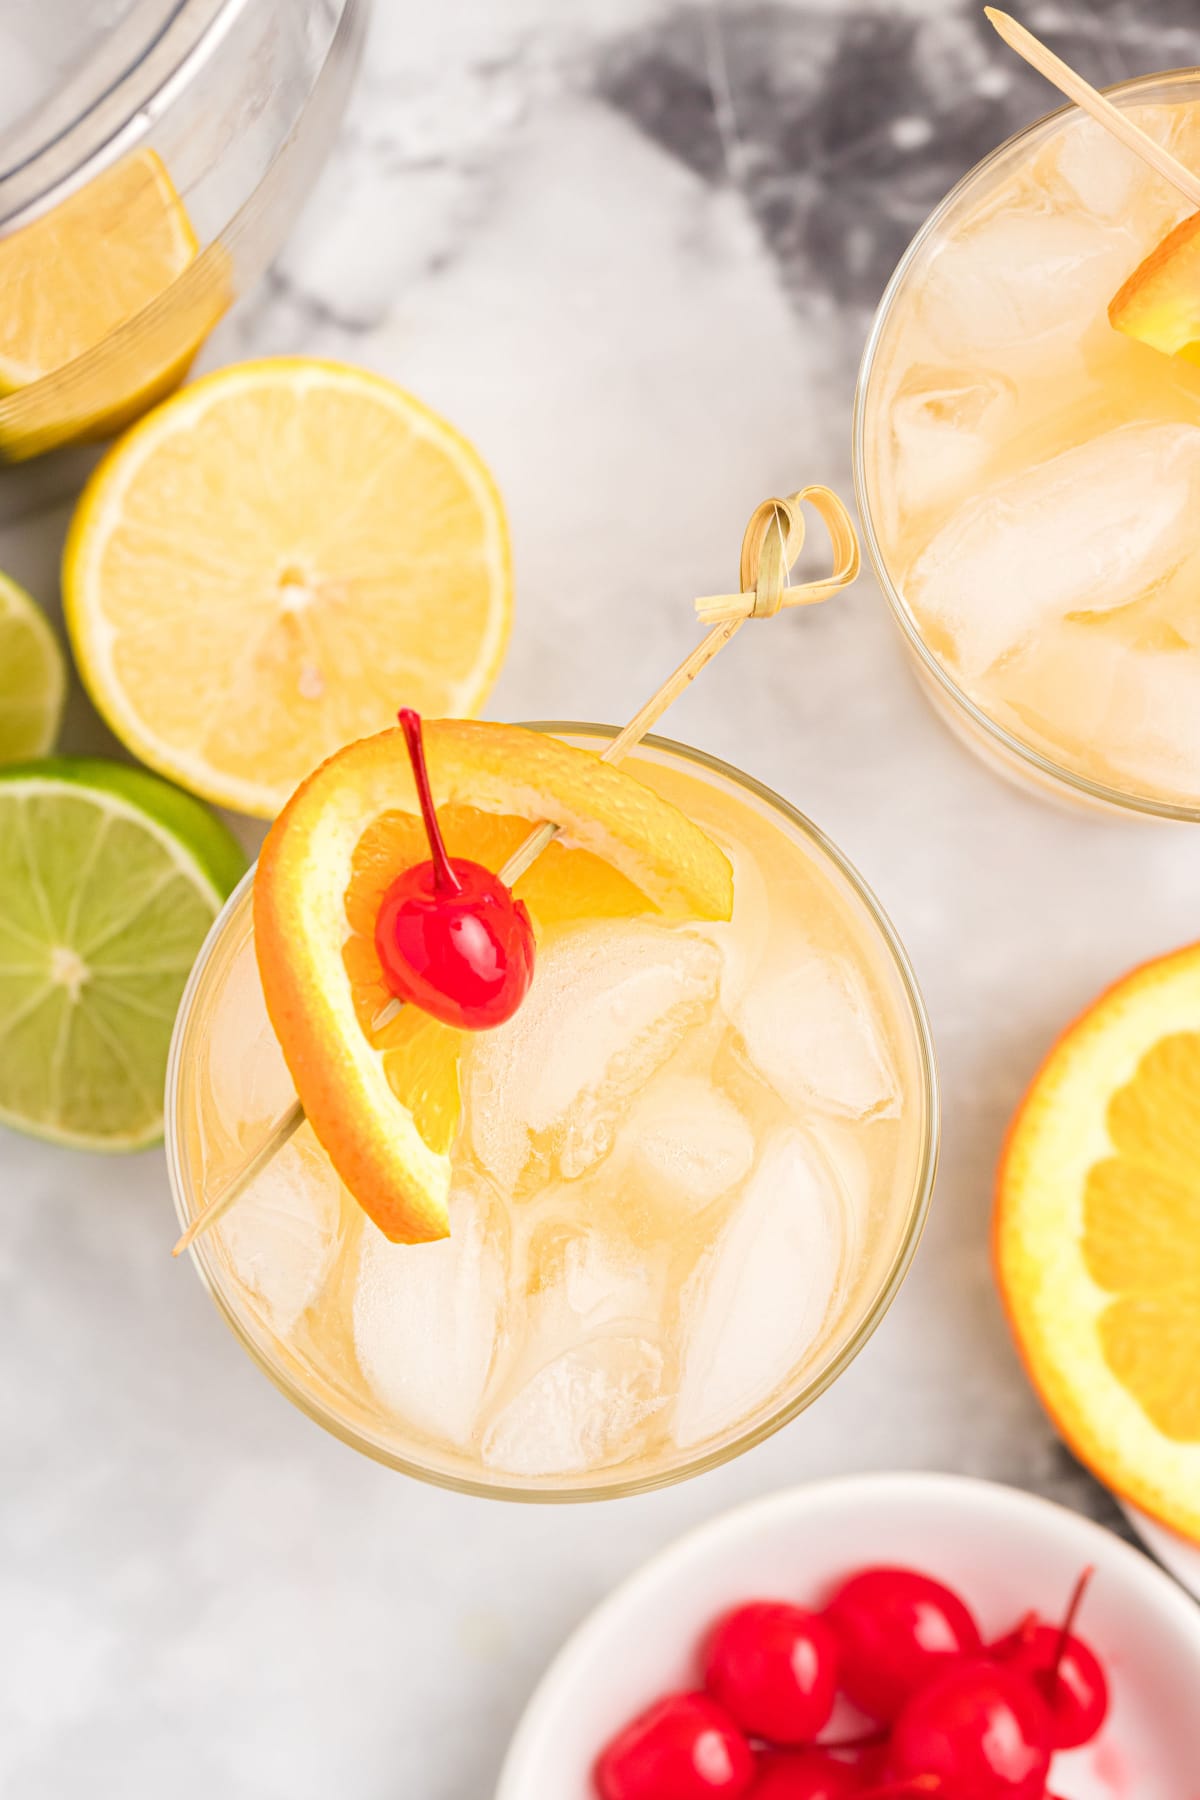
point(770, 546)
point(1064, 78)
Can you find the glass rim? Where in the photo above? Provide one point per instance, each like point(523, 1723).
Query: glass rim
point(1143, 805)
point(925, 1171)
point(92, 131)
point(87, 125)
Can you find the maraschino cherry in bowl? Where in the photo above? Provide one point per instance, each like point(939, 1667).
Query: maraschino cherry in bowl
point(1004, 1554)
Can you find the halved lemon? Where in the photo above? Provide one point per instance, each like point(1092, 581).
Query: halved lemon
point(385, 1104)
point(1160, 302)
point(1097, 1237)
point(271, 563)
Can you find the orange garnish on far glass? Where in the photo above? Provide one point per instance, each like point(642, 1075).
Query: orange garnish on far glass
point(1160, 303)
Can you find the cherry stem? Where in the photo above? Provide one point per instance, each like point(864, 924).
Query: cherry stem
point(1065, 1629)
point(443, 871)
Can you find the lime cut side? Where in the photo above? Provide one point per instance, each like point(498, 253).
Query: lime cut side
point(33, 677)
point(109, 882)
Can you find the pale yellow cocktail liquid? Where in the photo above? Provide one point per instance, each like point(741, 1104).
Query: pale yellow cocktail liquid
point(689, 1173)
point(1031, 475)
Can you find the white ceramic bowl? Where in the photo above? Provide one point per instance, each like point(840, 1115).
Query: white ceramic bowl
point(1006, 1551)
point(1179, 1554)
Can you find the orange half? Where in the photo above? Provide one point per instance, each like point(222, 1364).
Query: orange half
point(1097, 1237)
point(385, 1103)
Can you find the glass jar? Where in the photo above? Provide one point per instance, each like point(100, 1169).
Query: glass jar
point(151, 161)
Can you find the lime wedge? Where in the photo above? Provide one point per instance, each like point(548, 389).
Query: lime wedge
point(109, 881)
point(33, 677)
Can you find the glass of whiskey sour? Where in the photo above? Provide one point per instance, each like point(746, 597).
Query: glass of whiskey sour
point(1028, 467)
point(684, 1179)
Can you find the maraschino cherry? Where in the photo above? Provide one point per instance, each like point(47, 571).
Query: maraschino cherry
point(896, 1630)
point(774, 1669)
point(1065, 1671)
point(981, 1730)
point(450, 937)
point(684, 1747)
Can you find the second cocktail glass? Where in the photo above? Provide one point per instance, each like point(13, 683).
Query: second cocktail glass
point(1028, 476)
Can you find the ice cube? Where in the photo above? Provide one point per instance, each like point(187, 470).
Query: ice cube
point(1064, 687)
point(1099, 173)
point(1156, 737)
point(843, 1148)
point(1092, 169)
point(581, 1273)
point(945, 425)
point(1021, 286)
point(427, 1317)
point(282, 1236)
point(1124, 712)
point(759, 1300)
point(740, 939)
point(687, 1140)
point(808, 1029)
point(608, 1005)
point(1093, 528)
point(588, 1372)
point(582, 1410)
point(248, 1081)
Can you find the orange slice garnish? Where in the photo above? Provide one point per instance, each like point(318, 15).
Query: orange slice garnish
point(1097, 1237)
point(1160, 302)
point(385, 1103)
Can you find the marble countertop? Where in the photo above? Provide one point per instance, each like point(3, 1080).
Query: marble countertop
point(631, 250)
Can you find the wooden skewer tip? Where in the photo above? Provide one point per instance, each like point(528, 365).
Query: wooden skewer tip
point(1061, 75)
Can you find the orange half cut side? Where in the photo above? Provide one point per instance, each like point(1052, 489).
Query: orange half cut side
point(1097, 1237)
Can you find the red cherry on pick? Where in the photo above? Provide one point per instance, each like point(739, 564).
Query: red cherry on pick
point(896, 1629)
point(684, 1747)
point(774, 1669)
point(980, 1730)
point(1066, 1672)
point(449, 935)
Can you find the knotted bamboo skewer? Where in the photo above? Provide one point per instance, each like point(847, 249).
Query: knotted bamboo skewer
point(770, 546)
point(1085, 96)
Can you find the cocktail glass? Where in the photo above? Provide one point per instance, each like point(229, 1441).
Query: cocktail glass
point(724, 1219)
point(1028, 476)
point(191, 130)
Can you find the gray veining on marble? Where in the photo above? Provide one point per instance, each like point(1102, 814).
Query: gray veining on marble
point(646, 307)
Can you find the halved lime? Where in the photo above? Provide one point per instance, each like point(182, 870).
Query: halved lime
point(109, 881)
point(33, 676)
